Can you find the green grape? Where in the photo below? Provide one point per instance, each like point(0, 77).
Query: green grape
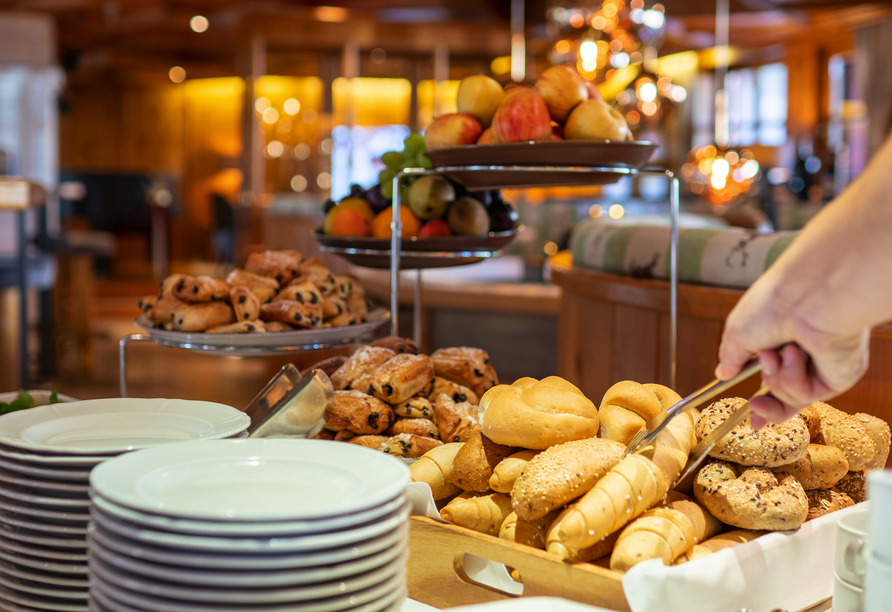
point(392, 159)
point(387, 189)
point(415, 144)
point(423, 161)
point(386, 175)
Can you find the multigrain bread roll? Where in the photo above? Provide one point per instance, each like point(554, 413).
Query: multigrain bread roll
point(245, 304)
point(199, 317)
point(359, 365)
point(357, 412)
point(664, 532)
point(401, 377)
point(467, 366)
point(561, 474)
point(418, 427)
point(458, 393)
point(821, 467)
point(845, 432)
point(627, 407)
point(878, 430)
point(434, 468)
point(825, 502)
point(853, 484)
point(483, 513)
point(773, 446)
point(537, 414)
point(719, 542)
point(508, 470)
point(530, 533)
point(195, 289)
point(632, 486)
point(475, 462)
point(456, 422)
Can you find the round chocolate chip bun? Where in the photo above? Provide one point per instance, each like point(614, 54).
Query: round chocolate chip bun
point(537, 414)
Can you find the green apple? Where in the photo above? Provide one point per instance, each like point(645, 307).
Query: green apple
point(429, 196)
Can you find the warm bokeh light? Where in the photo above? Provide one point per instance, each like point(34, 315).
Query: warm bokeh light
point(324, 180)
point(291, 106)
point(269, 115)
point(720, 176)
point(327, 146)
point(594, 211)
point(199, 23)
point(177, 74)
point(378, 55)
point(261, 104)
point(299, 183)
point(501, 65)
point(275, 149)
point(562, 47)
point(616, 211)
point(550, 248)
point(310, 116)
point(301, 151)
point(331, 14)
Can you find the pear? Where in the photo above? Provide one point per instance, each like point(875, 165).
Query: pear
point(468, 217)
point(429, 196)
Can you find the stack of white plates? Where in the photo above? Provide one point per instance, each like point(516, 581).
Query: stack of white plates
point(46, 454)
point(249, 525)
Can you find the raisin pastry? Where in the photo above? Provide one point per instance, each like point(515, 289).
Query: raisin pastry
point(324, 434)
point(162, 309)
point(346, 285)
point(373, 442)
point(456, 422)
point(245, 304)
point(358, 413)
point(357, 306)
point(239, 327)
point(346, 318)
point(397, 344)
point(401, 377)
point(199, 317)
point(409, 446)
point(466, 366)
point(280, 265)
point(416, 427)
point(415, 408)
point(305, 293)
point(458, 393)
point(279, 326)
point(263, 287)
point(169, 283)
point(195, 289)
point(344, 436)
point(307, 316)
point(333, 306)
point(361, 363)
point(147, 303)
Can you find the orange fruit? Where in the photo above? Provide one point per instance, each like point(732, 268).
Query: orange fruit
point(348, 204)
point(381, 223)
point(350, 223)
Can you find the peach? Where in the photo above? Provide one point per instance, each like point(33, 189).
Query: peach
point(522, 116)
point(452, 130)
point(562, 89)
point(486, 137)
point(479, 96)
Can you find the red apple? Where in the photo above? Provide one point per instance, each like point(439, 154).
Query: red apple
point(434, 229)
point(593, 92)
point(479, 96)
point(596, 120)
point(562, 89)
point(512, 89)
point(557, 130)
point(557, 137)
point(452, 130)
point(486, 137)
point(521, 117)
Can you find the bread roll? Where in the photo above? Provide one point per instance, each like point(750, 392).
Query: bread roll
point(845, 432)
point(561, 474)
point(825, 502)
point(537, 414)
point(455, 422)
point(626, 408)
point(664, 532)
point(434, 467)
point(853, 484)
point(359, 364)
point(821, 467)
point(530, 533)
point(483, 513)
point(505, 474)
point(632, 486)
point(878, 430)
point(719, 542)
point(473, 465)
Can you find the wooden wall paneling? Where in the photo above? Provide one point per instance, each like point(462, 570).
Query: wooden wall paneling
point(634, 344)
point(152, 129)
point(804, 87)
point(90, 129)
point(663, 375)
point(585, 344)
point(873, 393)
point(698, 342)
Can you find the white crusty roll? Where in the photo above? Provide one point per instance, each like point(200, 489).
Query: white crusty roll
point(433, 468)
point(628, 406)
point(537, 414)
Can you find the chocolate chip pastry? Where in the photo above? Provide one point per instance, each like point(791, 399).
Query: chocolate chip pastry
point(466, 366)
point(263, 287)
point(194, 289)
point(358, 413)
point(280, 265)
point(244, 303)
point(199, 317)
point(307, 316)
point(305, 293)
point(401, 377)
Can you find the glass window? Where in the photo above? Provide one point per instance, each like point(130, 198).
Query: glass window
point(757, 105)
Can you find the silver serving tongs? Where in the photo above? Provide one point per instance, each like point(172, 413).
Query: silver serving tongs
point(697, 398)
point(290, 404)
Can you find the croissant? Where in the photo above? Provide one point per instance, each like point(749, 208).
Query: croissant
point(505, 473)
point(483, 513)
point(532, 533)
point(433, 468)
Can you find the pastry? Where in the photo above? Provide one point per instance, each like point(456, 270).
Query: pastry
point(717, 543)
point(332, 306)
point(418, 427)
point(474, 463)
point(751, 497)
point(397, 344)
point(357, 307)
point(853, 484)
point(344, 436)
point(199, 317)
point(194, 289)
point(329, 366)
point(433, 468)
point(466, 366)
point(773, 446)
point(346, 318)
point(245, 304)
point(279, 326)
point(878, 430)
point(279, 265)
point(163, 308)
point(483, 513)
point(239, 327)
point(373, 442)
point(456, 422)
point(825, 502)
point(508, 470)
point(401, 377)
point(530, 533)
point(458, 393)
point(346, 286)
point(415, 408)
point(537, 414)
point(628, 406)
point(324, 434)
point(821, 467)
point(305, 293)
point(146, 304)
point(305, 316)
point(169, 283)
point(562, 473)
point(409, 446)
point(357, 412)
point(845, 432)
point(320, 276)
point(360, 364)
point(263, 287)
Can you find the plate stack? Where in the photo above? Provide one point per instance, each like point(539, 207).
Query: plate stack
point(249, 525)
point(46, 455)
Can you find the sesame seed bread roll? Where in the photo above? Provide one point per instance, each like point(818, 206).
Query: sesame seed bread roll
point(433, 468)
point(719, 542)
point(845, 432)
point(531, 533)
point(483, 513)
point(506, 473)
point(821, 467)
point(878, 430)
point(561, 474)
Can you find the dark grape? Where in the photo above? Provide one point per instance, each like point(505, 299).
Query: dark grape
point(357, 191)
point(377, 200)
point(502, 213)
point(327, 205)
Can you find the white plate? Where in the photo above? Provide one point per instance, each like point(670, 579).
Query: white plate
point(47, 528)
point(35, 601)
point(60, 461)
point(42, 564)
point(34, 538)
point(65, 516)
point(197, 576)
point(42, 485)
point(100, 580)
point(22, 574)
point(78, 476)
point(106, 426)
point(252, 480)
point(249, 344)
point(247, 562)
point(217, 528)
point(259, 545)
point(11, 546)
point(71, 594)
point(44, 500)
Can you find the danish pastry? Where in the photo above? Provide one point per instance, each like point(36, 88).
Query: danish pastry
point(359, 365)
point(418, 427)
point(280, 265)
point(415, 408)
point(263, 287)
point(305, 293)
point(332, 306)
point(397, 344)
point(357, 412)
point(409, 446)
point(278, 326)
point(244, 303)
point(239, 327)
point(163, 308)
point(458, 393)
point(194, 289)
point(401, 377)
point(456, 422)
point(370, 441)
point(466, 366)
point(199, 317)
point(306, 316)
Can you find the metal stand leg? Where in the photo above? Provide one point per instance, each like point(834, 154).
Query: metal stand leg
point(396, 234)
point(122, 358)
point(673, 280)
point(416, 321)
point(24, 373)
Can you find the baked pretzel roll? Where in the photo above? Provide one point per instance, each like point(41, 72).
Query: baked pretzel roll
point(196, 289)
point(853, 484)
point(278, 326)
point(751, 497)
point(329, 366)
point(279, 265)
point(456, 422)
point(199, 317)
point(409, 445)
point(537, 414)
point(773, 446)
point(878, 430)
point(263, 287)
point(359, 364)
point(357, 412)
point(434, 467)
point(506, 473)
point(717, 543)
point(475, 462)
point(305, 316)
point(245, 304)
point(415, 408)
point(417, 427)
point(825, 502)
point(333, 306)
point(561, 474)
point(483, 513)
point(397, 344)
point(466, 366)
point(458, 393)
point(531, 533)
point(845, 432)
point(628, 406)
point(239, 327)
point(372, 442)
point(401, 377)
point(821, 467)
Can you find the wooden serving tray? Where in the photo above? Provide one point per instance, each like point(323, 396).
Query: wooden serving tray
point(437, 576)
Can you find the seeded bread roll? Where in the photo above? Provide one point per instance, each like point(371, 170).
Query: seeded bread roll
point(561, 474)
point(719, 542)
point(773, 446)
point(845, 432)
point(628, 406)
point(483, 513)
point(537, 414)
point(821, 467)
point(530, 533)
point(853, 484)
point(825, 502)
point(506, 473)
point(361, 363)
point(357, 412)
point(434, 467)
point(475, 462)
point(878, 430)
